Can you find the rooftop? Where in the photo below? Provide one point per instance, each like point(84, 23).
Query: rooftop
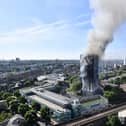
point(51, 96)
point(46, 102)
point(122, 114)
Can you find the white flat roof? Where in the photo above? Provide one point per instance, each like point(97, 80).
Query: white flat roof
point(42, 77)
point(122, 113)
point(51, 95)
point(45, 102)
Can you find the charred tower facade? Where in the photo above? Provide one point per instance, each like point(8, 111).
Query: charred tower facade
point(89, 65)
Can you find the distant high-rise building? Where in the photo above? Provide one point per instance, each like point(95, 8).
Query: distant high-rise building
point(17, 59)
point(115, 65)
point(124, 61)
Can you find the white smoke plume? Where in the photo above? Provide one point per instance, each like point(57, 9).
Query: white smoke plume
point(108, 15)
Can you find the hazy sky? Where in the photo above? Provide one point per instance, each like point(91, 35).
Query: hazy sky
point(50, 29)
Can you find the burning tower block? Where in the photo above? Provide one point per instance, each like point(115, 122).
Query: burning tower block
point(90, 75)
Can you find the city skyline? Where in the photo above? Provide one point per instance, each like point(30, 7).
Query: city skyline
point(50, 29)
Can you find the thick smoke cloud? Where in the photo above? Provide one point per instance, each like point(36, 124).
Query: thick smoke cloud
point(107, 17)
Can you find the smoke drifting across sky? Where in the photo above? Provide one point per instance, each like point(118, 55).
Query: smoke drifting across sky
point(108, 15)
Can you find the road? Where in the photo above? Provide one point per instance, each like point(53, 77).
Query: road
point(93, 118)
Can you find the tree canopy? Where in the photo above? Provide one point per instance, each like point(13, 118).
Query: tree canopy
point(36, 106)
point(23, 108)
point(13, 105)
point(74, 83)
point(45, 113)
point(31, 117)
point(113, 121)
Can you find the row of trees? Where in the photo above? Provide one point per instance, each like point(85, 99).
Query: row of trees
point(113, 121)
point(17, 104)
point(119, 80)
point(112, 93)
point(107, 75)
point(30, 114)
point(115, 73)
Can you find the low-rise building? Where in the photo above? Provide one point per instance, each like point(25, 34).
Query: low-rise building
point(64, 108)
point(122, 117)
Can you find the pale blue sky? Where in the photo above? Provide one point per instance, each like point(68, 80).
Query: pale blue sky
point(49, 29)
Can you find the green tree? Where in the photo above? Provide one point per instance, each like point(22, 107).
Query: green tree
point(123, 79)
point(23, 108)
point(22, 99)
point(113, 121)
point(13, 105)
point(113, 94)
point(76, 86)
point(45, 113)
point(31, 117)
point(36, 106)
point(107, 88)
point(119, 72)
point(4, 115)
point(17, 94)
point(102, 77)
point(10, 98)
point(6, 95)
point(110, 95)
point(74, 83)
point(117, 81)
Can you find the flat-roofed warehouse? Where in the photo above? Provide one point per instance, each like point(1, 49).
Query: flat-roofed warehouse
point(45, 97)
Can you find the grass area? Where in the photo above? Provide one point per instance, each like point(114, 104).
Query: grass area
point(89, 103)
point(4, 115)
